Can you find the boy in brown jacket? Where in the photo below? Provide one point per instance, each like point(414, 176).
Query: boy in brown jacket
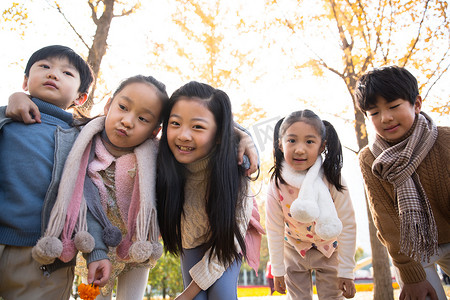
point(406, 172)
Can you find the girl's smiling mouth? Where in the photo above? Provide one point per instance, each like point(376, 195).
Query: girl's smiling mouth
point(185, 148)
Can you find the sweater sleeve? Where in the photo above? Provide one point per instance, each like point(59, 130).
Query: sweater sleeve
point(207, 270)
point(275, 231)
point(100, 249)
point(94, 227)
point(3, 118)
point(347, 239)
point(381, 200)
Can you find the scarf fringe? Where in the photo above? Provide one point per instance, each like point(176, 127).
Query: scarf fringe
point(420, 242)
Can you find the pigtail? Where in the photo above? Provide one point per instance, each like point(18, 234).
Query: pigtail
point(332, 164)
point(278, 156)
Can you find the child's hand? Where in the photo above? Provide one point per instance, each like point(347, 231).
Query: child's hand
point(99, 272)
point(247, 147)
point(21, 108)
point(419, 290)
point(190, 292)
point(279, 284)
point(347, 286)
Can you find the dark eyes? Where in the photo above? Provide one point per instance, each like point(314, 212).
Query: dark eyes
point(143, 119)
point(376, 112)
point(68, 73)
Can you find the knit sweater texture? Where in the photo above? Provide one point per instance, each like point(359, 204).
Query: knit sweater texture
point(27, 153)
point(434, 174)
point(195, 225)
point(64, 137)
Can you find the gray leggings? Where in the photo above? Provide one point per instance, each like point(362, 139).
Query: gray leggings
point(225, 288)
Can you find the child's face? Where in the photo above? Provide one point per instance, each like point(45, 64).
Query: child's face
point(191, 130)
point(56, 81)
point(301, 144)
point(392, 120)
point(132, 116)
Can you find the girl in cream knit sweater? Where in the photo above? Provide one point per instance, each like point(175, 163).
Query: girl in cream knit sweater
point(204, 211)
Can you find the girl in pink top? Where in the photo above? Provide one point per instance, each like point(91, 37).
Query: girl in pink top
point(304, 234)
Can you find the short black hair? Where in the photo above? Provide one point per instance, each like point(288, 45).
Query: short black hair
point(390, 82)
point(58, 51)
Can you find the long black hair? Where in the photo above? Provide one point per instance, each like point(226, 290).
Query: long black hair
point(332, 165)
point(226, 188)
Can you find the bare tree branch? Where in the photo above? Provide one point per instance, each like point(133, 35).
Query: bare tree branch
point(128, 12)
point(439, 77)
point(58, 8)
point(418, 34)
point(93, 12)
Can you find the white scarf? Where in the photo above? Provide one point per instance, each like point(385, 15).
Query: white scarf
point(314, 202)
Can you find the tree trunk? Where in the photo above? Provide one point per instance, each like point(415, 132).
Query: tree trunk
point(99, 45)
point(382, 277)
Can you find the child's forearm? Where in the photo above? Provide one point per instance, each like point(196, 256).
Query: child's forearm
point(247, 146)
point(21, 108)
point(190, 292)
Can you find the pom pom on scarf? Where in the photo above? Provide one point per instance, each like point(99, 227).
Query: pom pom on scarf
point(47, 249)
point(84, 241)
point(140, 251)
point(112, 236)
point(157, 251)
point(305, 210)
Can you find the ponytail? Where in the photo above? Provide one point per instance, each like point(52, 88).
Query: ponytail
point(332, 164)
point(278, 156)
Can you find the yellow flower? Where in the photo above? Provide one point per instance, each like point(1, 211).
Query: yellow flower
point(88, 292)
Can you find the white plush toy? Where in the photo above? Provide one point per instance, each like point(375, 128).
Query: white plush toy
point(314, 202)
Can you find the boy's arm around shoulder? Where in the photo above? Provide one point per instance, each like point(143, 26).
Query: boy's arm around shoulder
point(381, 201)
point(21, 108)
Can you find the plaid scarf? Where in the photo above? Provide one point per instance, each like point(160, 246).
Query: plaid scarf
point(397, 164)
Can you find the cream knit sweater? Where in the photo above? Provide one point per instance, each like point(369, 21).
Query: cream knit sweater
point(195, 227)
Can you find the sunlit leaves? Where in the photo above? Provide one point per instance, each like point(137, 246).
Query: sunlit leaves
point(205, 45)
point(414, 34)
point(15, 18)
point(248, 114)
